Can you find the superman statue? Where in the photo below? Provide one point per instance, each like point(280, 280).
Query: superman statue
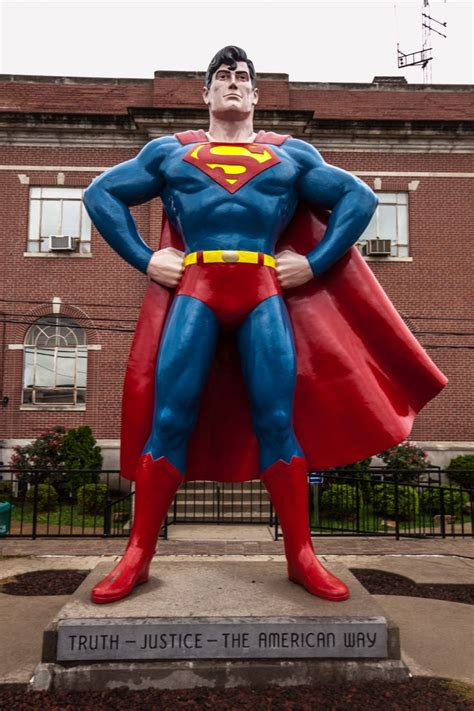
point(248, 362)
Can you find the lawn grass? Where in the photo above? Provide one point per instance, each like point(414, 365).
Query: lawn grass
point(371, 522)
point(66, 514)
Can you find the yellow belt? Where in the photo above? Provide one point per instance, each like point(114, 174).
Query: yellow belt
point(229, 256)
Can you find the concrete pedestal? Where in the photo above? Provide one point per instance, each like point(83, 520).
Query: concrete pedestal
point(217, 623)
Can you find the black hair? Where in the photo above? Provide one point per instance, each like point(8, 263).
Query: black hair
point(230, 56)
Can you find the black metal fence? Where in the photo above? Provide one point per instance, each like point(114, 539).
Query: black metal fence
point(219, 502)
point(381, 502)
point(376, 502)
point(60, 503)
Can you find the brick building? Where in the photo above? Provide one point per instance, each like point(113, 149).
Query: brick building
point(412, 144)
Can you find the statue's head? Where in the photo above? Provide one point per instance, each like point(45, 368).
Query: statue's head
point(229, 56)
point(230, 86)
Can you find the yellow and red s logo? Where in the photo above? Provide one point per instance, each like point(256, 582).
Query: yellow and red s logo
point(231, 165)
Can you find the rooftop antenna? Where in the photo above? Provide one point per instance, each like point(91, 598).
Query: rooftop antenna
point(424, 56)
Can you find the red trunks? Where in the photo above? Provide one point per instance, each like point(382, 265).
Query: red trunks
point(232, 291)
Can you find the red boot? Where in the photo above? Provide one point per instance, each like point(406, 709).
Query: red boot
point(287, 485)
point(156, 484)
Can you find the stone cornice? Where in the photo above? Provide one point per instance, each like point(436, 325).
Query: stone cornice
point(163, 121)
point(144, 123)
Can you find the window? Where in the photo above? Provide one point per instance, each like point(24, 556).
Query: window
point(58, 211)
point(390, 222)
point(55, 363)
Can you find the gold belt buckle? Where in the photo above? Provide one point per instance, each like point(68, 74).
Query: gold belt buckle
point(229, 255)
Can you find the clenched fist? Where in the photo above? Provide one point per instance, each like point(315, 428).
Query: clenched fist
point(293, 269)
point(166, 266)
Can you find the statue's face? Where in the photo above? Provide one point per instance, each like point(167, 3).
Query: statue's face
point(231, 95)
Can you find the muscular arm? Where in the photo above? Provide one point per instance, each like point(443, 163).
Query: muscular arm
point(352, 204)
point(109, 197)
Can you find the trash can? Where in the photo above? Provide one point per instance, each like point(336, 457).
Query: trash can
point(5, 516)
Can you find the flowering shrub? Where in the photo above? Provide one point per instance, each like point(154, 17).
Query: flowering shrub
point(56, 449)
point(404, 456)
point(43, 453)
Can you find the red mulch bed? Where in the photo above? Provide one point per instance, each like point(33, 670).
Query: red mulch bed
point(422, 694)
point(44, 582)
point(379, 582)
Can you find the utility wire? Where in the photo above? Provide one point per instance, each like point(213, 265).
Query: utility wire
point(42, 302)
point(31, 319)
point(73, 318)
point(71, 303)
point(53, 322)
point(132, 330)
point(81, 328)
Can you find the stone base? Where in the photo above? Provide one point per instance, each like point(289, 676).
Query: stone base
point(219, 674)
point(257, 627)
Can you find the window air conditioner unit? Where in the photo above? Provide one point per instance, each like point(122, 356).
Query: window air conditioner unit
point(62, 243)
point(378, 247)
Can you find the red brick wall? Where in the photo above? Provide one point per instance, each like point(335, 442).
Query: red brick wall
point(365, 103)
point(333, 101)
point(435, 284)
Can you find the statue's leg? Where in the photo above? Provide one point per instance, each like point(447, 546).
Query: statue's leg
point(183, 363)
point(184, 360)
point(269, 364)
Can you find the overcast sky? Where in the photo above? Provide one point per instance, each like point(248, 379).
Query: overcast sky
point(311, 41)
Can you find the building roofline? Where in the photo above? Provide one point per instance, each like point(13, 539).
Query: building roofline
point(378, 86)
point(47, 79)
point(266, 76)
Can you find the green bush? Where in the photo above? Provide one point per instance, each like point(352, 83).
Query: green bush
point(454, 500)
point(80, 451)
point(47, 497)
point(384, 500)
point(339, 500)
point(353, 473)
point(91, 498)
point(457, 471)
point(5, 491)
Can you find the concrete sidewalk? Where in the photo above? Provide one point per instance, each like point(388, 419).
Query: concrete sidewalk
point(436, 636)
point(224, 539)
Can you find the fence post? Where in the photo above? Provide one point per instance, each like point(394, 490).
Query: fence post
point(441, 511)
point(35, 506)
point(357, 506)
point(107, 518)
point(275, 536)
point(175, 507)
point(217, 489)
point(271, 513)
point(397, 508)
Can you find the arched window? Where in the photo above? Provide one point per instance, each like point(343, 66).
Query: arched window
point(55, 363)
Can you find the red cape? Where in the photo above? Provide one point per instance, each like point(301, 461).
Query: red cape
point(362, 376)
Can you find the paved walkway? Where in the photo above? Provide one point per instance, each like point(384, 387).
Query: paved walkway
point(238, 540)
point(436, 636)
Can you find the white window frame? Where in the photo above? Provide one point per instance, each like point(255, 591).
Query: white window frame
point(38, 236)
point(59, 337)
point(393, 226)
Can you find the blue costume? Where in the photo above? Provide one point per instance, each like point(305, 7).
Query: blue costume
point(235, 198)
